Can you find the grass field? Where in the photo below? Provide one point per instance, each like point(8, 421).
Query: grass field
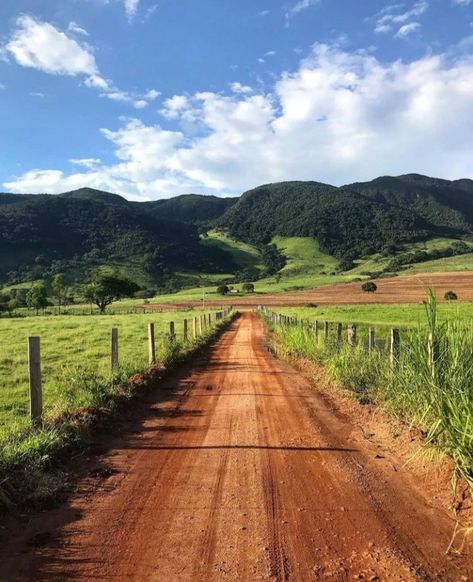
point(308, 267)
point(71, 346)
point(402, 316)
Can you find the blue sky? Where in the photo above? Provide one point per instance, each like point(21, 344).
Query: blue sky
point(156, 98)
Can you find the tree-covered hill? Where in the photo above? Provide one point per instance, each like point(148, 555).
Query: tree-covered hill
point(45, 234)
point(354, 220)
point(189, 208)
point(77, 232)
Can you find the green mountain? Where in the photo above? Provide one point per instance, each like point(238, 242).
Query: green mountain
point(160, 243)
point(354, 220)
point(82, 230)
point(189, 208)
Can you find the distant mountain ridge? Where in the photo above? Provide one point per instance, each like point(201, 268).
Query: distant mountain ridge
point(357, 219)
point(46, 233)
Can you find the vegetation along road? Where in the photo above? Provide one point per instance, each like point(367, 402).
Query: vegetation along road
point(245, 472)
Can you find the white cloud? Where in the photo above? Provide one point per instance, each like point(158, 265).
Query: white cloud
point(300, 6)
point(463, 2)
point(264, 13)
point(131, 7)
point(239, 88)
point(74, 27)
point(41, 46)
point(152, 94)
point(37, 94)
point(174, 105)
point(86, 162)
point(340, 117)
point(393, 15)
point(407, 29)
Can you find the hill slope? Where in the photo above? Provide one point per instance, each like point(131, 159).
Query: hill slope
point(354, 220)
point(384, 222)
point(189, 208)
point(88, 228)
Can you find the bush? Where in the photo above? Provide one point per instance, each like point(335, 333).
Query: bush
point(369, 287)
point(248, 288)
point(450, 296)
point(223, 289)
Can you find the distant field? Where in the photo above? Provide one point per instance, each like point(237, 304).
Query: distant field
point(395, 290)
point(403, 316)
point(308, 267)
point(68, 342)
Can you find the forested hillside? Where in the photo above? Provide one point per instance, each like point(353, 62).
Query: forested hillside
point(354, 220)
point(189, 208)
point(85, 229)
point(77, 232)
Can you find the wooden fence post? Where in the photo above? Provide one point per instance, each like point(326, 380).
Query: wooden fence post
point(394, 347)
point(152, 344)
point(172, 331)
point(326, 330)
point(339, 332)
point(115, 361)
point(185, 330)
point(316, 330)
point(36, 386)
point(351, 330)
point(371, 339)
point(194, 327)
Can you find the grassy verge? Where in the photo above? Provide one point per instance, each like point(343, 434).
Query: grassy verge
point(29, 454)
point(73, 350)
point(433, 393)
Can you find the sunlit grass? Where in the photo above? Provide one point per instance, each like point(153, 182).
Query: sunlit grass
point(430, 387)
point(68, 342)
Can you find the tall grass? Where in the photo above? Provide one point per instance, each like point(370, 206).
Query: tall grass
point(430, 386)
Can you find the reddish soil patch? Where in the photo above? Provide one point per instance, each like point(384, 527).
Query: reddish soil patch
point(409, 289)
point(251, 474)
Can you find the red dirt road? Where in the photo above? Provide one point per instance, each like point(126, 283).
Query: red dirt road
point(246, 473)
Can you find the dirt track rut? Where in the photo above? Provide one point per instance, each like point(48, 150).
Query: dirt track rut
point(246, 473)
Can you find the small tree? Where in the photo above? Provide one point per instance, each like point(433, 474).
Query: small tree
point(450, 296)
point(106, 289)
point(59, 289)
point(248, 287)
point(223, 290)
point(37, 297)
point(369, 287)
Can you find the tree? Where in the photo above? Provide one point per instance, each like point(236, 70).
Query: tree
point(450, 296)
point(248, 287)
point(105, 289)
point(59, 289)
point(346, 265)
point(223, 290)
point(37, 297)
point(369, 287)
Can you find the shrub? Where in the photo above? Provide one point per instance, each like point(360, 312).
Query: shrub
point(248, 287)
point(223, 289)
point(450, 296)
point(369, 287)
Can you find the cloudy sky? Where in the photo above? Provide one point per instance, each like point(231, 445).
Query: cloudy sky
point(154, 98)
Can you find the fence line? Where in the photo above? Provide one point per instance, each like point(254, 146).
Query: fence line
point(394, 344)
point(34, 354)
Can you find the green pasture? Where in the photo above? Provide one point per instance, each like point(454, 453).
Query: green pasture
point(69, 345)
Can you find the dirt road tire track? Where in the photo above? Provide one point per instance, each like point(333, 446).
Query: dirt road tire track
point(247, 474)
